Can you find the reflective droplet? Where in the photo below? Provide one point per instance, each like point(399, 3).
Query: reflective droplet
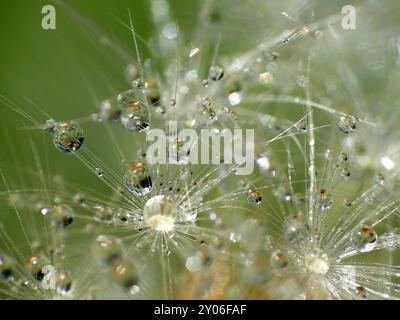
point(104, 213)
point(205, 83)
point(207, 117)
point(62, 216)
point(345, 172)
point(125, 273)
point(365, 239)
point(302, 81)
point(137, 178)
point(135, 116)
point(6, 267)
point(99, 172)
point(380, 179)
point(347, 123)
point(64, 282)
point(301, 126)
point(216, 72)
point(283, 193)
point(254, 196)
point(68, 137)
point(110, 110)
point(323, 200)
point(138, 83)
point(198, 261)
point(35, 266)
point(295, 228)
point(108, 248)
point(159, 213)
point(343, 157)
point(205, 102)
point(279, 260)
point(172, 103)
point(194, 52)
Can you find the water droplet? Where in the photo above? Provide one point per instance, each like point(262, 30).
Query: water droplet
point(104, 214)
point(279, 260)
point(347, 123)
point(108, 248)
point(216, 72)
point(207, 117)
point(302, 81)
point(110, 110)
point(345, 172)
point(295, 228)
point(172, 103)
point(125, 273)
point(134, 290)
point(137, 178)
point(365, 239)
point(135, 116)
point(235, 237)
point(159, 213)
point(205, 83)
point(62, 216)
point(44, 211)
point(64, 282)
point(35, 265)
point(347, 203)
point(323, 200)
point(301, 125)
point(194, 52)
point(343, 157)
point(99, 172)
point(6, 267)
point(138, 83)
point(205, 102)
point(254, 196)
point(283, 193)
point(68, 137)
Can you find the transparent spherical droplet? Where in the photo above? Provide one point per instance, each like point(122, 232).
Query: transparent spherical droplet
point(6, 267)
point(62, 216)
point(135, 116)
point(343, 157)
point(205, 102)
point(345, 172)
point(160, 213)
point(254, 196)
point(204, 83)
point(179, 151)
point(139, 83)
point(198, 261)
point(68, 137)
point(323, 200)
point(207, 117)
point(235, 237)
point(125, 273)
point(137, 178)
point(302, 81)
point(134, 290)
point(99, 172)
point(64, 282)
point(316, 261)
point(295, 228)
point(283, 193)
point(104, 213)
point(172, 103)
point(279, 259)
point(301, 125)
point(347, 123)
point(365, 239)
point(216, 72)
point(108, 248)
point(110, 110)
point(35, 265)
